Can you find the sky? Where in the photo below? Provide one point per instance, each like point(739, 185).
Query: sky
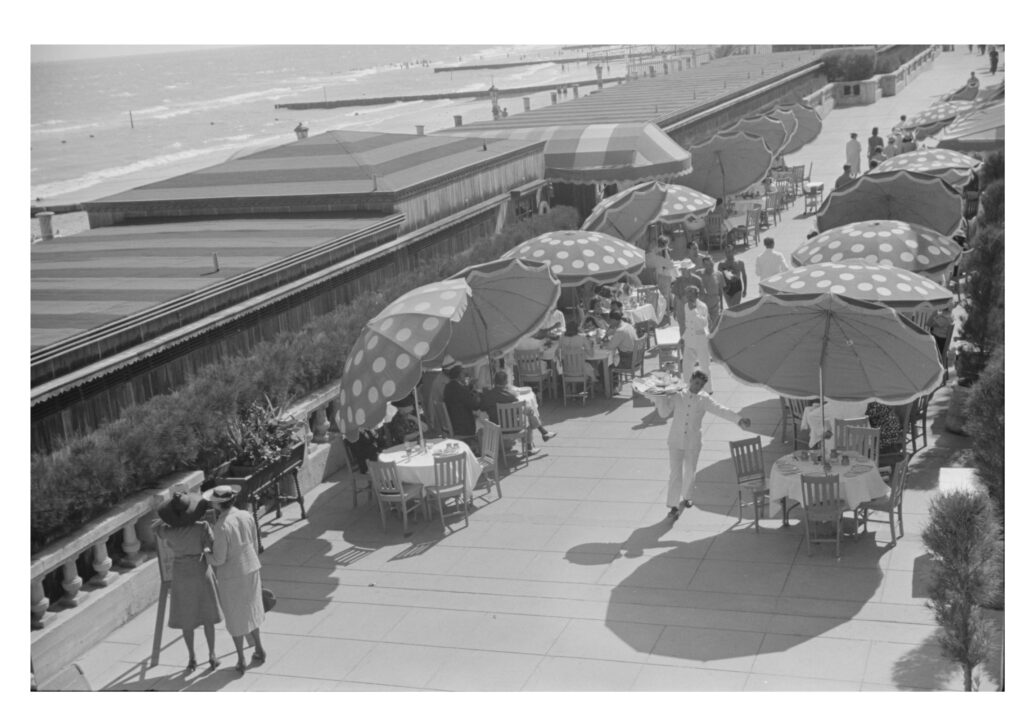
point(78, 52)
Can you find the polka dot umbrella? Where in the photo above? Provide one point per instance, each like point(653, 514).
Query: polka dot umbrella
point(485, 309)
point(628, 214)
point(934, 119)
point(951, 166)
point(578, 256)
point(904, 195)
point(883, 242)
point(896, 288)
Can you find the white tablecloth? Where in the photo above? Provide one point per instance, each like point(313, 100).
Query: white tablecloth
point(833, 409)
point(860, 480)
point(418, 467)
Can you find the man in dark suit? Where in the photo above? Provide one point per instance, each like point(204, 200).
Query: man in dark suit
point(462, 401)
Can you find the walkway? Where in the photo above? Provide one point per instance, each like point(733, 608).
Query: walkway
point(574, 580)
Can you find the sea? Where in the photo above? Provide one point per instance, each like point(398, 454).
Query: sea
point(103, 125)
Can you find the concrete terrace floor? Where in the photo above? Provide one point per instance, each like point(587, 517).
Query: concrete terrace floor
point(575, 580)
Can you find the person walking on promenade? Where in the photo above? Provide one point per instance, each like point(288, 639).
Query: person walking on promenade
point(770, 262)
point(693, 335)
point(193, 590)
point(891, 149)
point(853, 151)
point(236, 560)
point(734, 272)
point(687, 409)
point(993, 59)
point(714, 286)
point(875, 143)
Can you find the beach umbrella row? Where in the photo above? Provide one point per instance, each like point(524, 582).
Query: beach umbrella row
point(627, 214)
point(951, 166)
point(981, 130)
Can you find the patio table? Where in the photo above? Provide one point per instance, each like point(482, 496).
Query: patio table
point(860, 480)
point(417, 465)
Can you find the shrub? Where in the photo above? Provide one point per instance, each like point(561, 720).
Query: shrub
point(963, 537)
point(992, 205)
point(984, 291)
point(993, 168)
point(189, 429)
point(986, 425)
point(850, 64)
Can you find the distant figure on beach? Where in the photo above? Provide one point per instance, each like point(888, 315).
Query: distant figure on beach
point(993, 60)
point(853, 150)
point(973, 81)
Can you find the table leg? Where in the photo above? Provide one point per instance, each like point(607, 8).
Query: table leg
point(606, 371)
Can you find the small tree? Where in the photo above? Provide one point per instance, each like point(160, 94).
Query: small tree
point(962, 536)
point(984, 299)
point(993, 168)
point(985, 424)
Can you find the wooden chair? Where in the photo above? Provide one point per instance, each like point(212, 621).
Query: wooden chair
point(891, 504)
point(574, 375)
point(888, 460)
point(647, 295)
point(796, 173)
point(714, 229)
point(361, 482)
point(812, 198)
point(752, 225)
point(823, 503)
point(636, 368)
point(840, 426)
point(514, 427)
point(771, 208)
point(392, 492)
point(534, 371)
point(794, 408)
point(449, 483)
point(864, 441)
point(748, 460)
point(917, 422)
point(490, 450)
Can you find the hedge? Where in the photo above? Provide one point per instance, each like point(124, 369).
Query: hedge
point(849, 64)
point(185, 430)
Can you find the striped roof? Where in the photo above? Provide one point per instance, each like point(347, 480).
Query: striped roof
point(663, 97)
point(331, 163)
point(104, 275)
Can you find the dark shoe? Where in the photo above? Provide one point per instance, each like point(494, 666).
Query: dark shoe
point(674, 512)
point(214, 663)
point(548, 436)
point(191, 666)
point(240, 668)
point(687, 503)
point(259, 657)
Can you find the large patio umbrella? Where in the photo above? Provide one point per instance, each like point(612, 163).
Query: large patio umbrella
point(579, 256)
point(628, 214)
point(807, 129)
point(772, 130)
point(729, 163)
point(886, 243)
point(789, 121)
point(950, 166)
point(982, 130)
point(933, 119)
point(485, 309)
point(904, 195)
point(899, 289)
point(827, 346)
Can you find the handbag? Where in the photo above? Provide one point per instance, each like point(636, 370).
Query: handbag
point(269, 600)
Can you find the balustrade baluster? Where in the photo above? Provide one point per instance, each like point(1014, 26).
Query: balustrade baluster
point(72, 583)
point(40, 603)
point(131, 546)
point(320, 426)
point(101, 563)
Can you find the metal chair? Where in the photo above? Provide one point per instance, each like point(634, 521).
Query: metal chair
point(891, 504)
point(748, 460)
point(840, 427)
point(514, 427)
point(794, 408)
point(823, 503)
point(534, 371)
point(917, 422)
point(865, 441)
point(490, 450)
point(574, 375)
point(449, 483)
point(391, 491)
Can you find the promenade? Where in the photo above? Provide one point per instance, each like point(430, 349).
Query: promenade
point(574, 580)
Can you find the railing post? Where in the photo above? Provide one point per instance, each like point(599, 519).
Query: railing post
point(101, 563)
point(72, 583)
point(320, 426)
point(131, 546)
point(40, 603)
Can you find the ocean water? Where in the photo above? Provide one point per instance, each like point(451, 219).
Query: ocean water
point(108, 123)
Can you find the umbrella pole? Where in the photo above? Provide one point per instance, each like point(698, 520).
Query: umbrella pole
point(419, 420)
point(821, 384)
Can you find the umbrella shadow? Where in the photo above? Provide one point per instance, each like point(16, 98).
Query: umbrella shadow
point(699, 590)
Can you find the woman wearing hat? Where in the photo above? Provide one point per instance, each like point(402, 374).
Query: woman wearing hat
point(236, 560)
point(193, 593)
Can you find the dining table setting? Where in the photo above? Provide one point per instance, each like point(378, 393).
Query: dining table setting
point(415, 462)
point(859, 477)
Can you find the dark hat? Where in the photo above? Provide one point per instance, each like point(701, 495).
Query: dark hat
point(223, 493)
point(406, 402)
point(454, 371)
point(182, 509)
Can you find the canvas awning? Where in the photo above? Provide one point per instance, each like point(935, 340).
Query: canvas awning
point(600, 153)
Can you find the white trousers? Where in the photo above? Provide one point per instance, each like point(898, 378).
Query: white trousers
point(696, 350)
point(681, 474)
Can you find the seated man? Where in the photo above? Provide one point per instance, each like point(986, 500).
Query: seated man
point(462, 400)
point(403, 426)
point(553, 325)
point(505, 392)
point(621, 338)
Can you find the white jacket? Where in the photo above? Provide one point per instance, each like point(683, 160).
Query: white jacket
point(687, 410)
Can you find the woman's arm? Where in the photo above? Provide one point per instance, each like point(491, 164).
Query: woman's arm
point(219, 550)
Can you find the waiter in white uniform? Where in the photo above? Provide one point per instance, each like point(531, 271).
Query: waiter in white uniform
point(693, 335)
point(687, 409)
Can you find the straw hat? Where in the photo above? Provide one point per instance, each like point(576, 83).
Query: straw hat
point(222, 494)
point(182, 509)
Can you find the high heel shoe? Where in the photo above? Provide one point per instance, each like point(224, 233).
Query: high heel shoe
point(214, 663)
point(240, 667)
point(259, 657)
point(191, 666)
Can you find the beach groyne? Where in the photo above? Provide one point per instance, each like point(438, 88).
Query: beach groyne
point(482, 95)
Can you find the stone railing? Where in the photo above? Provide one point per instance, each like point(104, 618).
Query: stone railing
point(892, 83)
point(822, 100)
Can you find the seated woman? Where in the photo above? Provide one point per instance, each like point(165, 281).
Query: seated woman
point(890, 436)
point(573, 341)
point(403, 426)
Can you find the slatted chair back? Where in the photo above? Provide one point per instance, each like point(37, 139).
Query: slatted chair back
point(864, 441)
point(574, 374)
point(797, 174)
point(897, 484)
point(714, 227)
point(748, 460)
point(647, 295)
point(752, 225)
point(490, 451)
point(795, 409)
point(533, 370)
point(387, 484)
point(512, 416)
point(823, 502)
point(917, 422)
point(842, 425)
point(449, 472)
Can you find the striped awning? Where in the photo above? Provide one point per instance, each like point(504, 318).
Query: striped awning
point(604, 152)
